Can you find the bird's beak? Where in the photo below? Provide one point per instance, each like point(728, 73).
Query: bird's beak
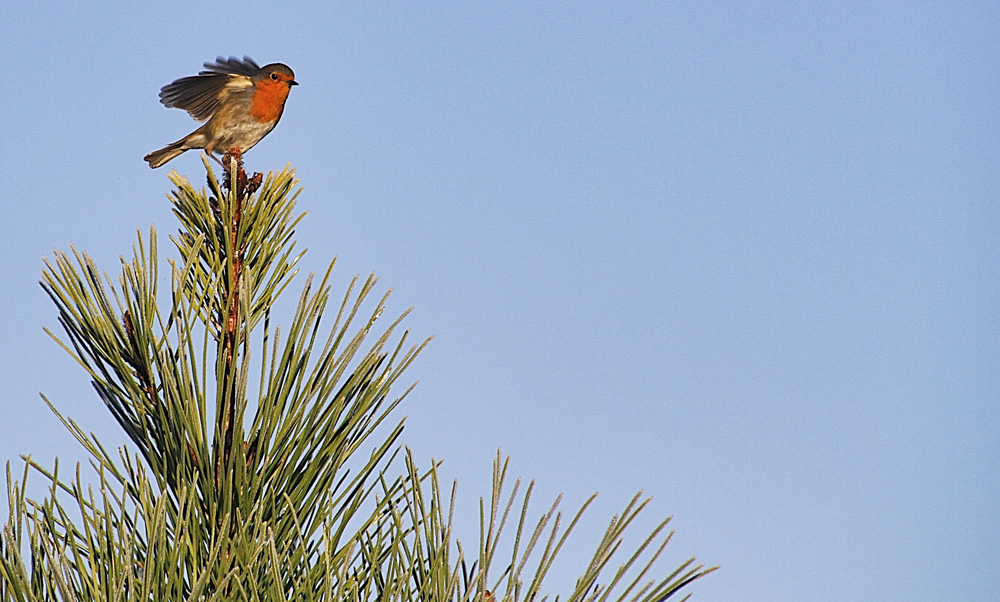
point(293, 83)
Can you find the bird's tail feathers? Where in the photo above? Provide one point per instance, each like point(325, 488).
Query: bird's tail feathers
point(159, 157)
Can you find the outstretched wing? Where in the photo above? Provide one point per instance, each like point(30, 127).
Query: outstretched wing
point(233, 65)
point(201, 95)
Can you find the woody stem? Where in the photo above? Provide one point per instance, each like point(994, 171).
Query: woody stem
point(235, 180)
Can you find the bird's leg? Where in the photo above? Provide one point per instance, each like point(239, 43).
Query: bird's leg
point(214, 158)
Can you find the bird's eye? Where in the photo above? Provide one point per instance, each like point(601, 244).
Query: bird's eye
point(274, 76)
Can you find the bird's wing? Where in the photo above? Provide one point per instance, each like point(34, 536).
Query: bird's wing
point(201, 95)
point(232, 65)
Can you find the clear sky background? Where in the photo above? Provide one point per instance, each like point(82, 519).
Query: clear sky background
point(741, 255)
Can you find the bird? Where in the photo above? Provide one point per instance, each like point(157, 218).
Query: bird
point(241, 101)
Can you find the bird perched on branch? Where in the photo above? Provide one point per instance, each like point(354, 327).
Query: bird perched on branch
point(241, 101)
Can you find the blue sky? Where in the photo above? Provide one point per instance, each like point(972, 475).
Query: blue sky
point(740, 255)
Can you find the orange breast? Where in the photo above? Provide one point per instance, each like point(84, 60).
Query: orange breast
point(269, 100)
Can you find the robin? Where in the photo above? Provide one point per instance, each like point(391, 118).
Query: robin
point(241, 101)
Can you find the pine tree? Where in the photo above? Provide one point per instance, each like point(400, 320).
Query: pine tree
point(265, 464)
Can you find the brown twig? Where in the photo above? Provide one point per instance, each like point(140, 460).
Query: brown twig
point(234, 176)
